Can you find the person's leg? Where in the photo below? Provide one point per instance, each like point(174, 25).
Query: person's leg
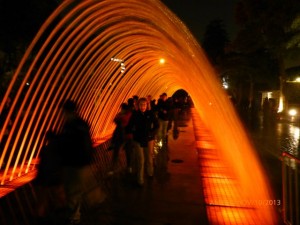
point(162, 132)
point(164, 129)
point(149, 157)
point(115, 159)
point(128, 148)
point(58, 197)
point(73, 191)
point(139, 151)
point(42, 204)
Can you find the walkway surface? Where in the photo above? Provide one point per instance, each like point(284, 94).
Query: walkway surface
point(173, 197)
point(180, 193)
point(221, 189)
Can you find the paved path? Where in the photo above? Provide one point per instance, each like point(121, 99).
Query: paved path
point(173, 197)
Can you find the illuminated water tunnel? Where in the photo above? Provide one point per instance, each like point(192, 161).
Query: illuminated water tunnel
point(100, 53)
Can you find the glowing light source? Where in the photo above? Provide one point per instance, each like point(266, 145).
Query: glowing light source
point(122, 67)
point(292, 112)
point(225, 83)
point(162, 61)
point(122, 64)
point(280, 105)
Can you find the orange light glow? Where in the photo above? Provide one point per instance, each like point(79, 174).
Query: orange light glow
point(162, 61)
point(227, 203)
point(70, 57)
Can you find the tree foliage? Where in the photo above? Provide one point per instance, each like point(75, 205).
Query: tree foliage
point(269, 26)
point(266, 24)
point(269, 35)
point(215, 40)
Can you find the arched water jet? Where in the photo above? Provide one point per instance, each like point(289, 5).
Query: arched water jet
point(73, 60)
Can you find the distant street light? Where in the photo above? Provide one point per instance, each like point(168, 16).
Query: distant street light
point(122, 65)
point(225, 83)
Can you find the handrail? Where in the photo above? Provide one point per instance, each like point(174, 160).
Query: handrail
point(290, 189)
point(291, 156)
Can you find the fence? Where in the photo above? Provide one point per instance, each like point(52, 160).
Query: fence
point(290, 189)
point(18, 207)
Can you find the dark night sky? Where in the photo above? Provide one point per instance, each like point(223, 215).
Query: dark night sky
point(196, 14)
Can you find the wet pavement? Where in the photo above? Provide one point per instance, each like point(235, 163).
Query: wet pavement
point(271, 138)
point(182, 186)
point(173, 196)
point(176, 194)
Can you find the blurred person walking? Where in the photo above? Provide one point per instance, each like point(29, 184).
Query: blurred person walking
point(151, 103)
point(77, 150)
point(48, 182)
point(120, 139)
point(163, 109)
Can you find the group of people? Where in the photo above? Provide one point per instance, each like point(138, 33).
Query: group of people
point(65, 159)
point(140, 123)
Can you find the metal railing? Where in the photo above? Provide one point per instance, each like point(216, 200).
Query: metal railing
point(290, 189)
point(19, 206)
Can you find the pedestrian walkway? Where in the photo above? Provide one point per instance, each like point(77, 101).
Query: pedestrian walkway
point(173, 197)
point(191, 186)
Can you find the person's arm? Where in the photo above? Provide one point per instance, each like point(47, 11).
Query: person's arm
point(130, 126)
point(155, 124)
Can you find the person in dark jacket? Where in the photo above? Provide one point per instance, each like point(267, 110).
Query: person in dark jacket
point(48, 182)
point(163, 110)
point(77, 149)
point(143, 125)
point(119, 138)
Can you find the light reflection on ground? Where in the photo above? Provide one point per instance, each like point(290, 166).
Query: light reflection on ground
point(278, 137)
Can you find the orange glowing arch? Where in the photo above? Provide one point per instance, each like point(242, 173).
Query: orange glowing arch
point(72, 57)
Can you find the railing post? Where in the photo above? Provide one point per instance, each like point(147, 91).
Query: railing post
point(290, 193)
point(284, 192)
point(290, 184)
point(297, 193)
